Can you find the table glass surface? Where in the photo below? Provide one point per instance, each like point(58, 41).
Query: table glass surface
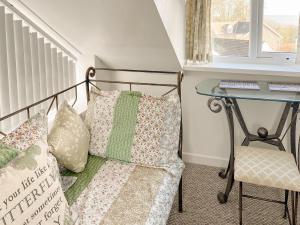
point(210, 87)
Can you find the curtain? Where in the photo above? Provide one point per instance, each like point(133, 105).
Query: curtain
point(298, 47)
point(198, 31)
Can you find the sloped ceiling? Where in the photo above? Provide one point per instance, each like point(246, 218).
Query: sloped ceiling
point(172, 13)
point(122, 33)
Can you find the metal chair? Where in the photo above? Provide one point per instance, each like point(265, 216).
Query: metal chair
point(270, 168)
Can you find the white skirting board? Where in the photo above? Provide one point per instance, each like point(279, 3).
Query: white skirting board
point(204, 159)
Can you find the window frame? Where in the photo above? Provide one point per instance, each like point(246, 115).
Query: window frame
point(256, 55)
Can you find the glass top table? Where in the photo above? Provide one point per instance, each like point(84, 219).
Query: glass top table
point(227, 99)
point(210, 87)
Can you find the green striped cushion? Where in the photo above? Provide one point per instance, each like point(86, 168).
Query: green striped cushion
point(125, 118)
point(83, 178)
point(6, 155)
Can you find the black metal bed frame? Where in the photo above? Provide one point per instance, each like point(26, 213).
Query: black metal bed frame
point(90, 73)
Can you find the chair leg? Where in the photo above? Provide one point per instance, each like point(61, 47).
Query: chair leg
point(296, 207)
point(180, 202)
point(241, 203)
point(286, 198)
point(293, 207)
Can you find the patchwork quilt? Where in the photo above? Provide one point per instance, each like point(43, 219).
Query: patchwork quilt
point(115, 193)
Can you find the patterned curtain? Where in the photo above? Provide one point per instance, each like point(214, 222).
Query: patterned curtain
point(298, 47)
point(198, 30)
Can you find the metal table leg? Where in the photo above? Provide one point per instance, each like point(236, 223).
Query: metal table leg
point(223, 173)
point(216, 107)
point(273, 139)
point(222, 197)
point(295, 107)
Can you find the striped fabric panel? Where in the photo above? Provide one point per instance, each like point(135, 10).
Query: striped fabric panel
point(124, 122)
point(99, 119)
point(95, 201)
point(84, 178)
point(136, 197)
point(6, 155)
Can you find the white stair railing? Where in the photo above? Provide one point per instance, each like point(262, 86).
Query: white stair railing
point(4, 78)
point(32, 67)
point(28, 65)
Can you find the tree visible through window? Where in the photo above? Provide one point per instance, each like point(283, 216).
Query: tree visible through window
point(275, 28)
point(231, 27)
point(281, 21)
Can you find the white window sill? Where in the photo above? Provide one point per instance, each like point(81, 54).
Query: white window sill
point(254, 69)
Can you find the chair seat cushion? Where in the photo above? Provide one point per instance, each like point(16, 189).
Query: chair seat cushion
point(271, 168)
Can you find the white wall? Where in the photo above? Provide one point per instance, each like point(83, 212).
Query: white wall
point(128, 35)
point(172, 13)
point(121, 33)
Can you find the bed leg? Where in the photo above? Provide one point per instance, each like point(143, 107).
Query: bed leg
point(180, 203)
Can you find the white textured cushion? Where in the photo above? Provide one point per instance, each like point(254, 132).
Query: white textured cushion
point(69, 139)
point(271, 168)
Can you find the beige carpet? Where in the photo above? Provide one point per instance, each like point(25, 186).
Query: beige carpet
point(201, 207)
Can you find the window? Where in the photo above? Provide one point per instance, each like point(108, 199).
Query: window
point(255, 29)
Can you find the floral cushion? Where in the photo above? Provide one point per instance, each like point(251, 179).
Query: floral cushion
point(155, 137)
point(30, 190)
point(28, 133)
point(69, 139)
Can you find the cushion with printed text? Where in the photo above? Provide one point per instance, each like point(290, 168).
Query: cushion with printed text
point(31, 192)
